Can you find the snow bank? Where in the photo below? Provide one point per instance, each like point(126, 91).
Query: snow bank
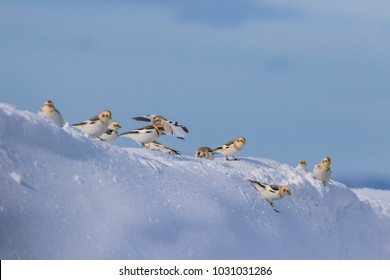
point(66, 196)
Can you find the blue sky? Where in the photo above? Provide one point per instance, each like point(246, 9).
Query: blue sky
point(301, 80)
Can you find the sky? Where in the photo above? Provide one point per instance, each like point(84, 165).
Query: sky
point(302, 80)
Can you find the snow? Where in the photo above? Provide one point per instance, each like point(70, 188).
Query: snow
point(64, 195)
point(379, 200)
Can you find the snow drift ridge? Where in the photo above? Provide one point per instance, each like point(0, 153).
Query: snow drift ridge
point(66, 196)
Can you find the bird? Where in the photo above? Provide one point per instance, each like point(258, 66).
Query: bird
point(205, 152)
point(144, 134)
point(302, 165)
point(111, 132)
point(170, 128)
point(231, 148)
point(271, 192)
point(154, 145)
point(96, 125)
point(49, 111)
point(322, 170)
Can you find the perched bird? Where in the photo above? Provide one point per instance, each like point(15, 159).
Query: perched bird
point(111, 133)
point(144, 134)
point(322, 170)
point(301, 165)
point(205, 152)
point(170, 128)
point(231, 148)
point(95, 126)
point(271, 192)
point(154, 145)
point(49, 111)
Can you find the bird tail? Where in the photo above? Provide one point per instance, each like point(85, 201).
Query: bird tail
point(256, 184)
point(78, 124)
point(253, 183)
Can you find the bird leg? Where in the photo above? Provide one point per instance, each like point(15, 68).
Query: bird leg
point(272, 205)
point(231, 159)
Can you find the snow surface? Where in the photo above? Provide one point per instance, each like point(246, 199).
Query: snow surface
point(64, 195)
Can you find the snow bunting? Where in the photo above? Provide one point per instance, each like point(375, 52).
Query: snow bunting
point(170, 128)
point(95, 126)
point(301, 165)
point(49, 111)
point(322, 170)
point(205, 152)
point(271, 192)
point(144, 134)
point(111, 133)
point(154, 145)
point(231, 148)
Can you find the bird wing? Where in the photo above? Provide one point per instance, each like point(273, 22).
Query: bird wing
point(178, 131)
point(270, 188)
point(142, 130)
point(170, 128)
point(79, 124)
point(256, 184)
point(90, 121)
point(217, 149)
point(170, 150)
point(155, 145)
point(223, 147)
point(228, 144)
point(146, 118)
point(273, 188)
point(93, 119)
point(109, 131)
